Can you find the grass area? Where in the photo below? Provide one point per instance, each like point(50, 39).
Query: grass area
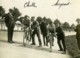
point(71, 45)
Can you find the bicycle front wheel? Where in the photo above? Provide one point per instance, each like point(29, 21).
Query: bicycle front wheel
point(50, 43)
point(24, 41)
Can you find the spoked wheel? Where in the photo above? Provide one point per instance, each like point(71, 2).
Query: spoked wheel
point(28, 39)
point(24, 41)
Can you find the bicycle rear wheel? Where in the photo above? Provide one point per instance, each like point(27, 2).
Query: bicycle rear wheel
point(25, 39)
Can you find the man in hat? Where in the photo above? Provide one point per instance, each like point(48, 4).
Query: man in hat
point(9, 21)
point(36, 31)
point(60, 38)
point(78, 32)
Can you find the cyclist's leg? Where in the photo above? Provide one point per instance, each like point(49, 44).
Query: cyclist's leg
point(28, 35)
point(24, 38)
point(53, 35)
point(24, 35)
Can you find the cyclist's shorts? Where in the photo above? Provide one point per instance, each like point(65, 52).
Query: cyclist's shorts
point(26, 30)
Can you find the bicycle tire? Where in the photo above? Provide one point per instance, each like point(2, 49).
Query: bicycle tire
point(24, 41)
point(50, 43)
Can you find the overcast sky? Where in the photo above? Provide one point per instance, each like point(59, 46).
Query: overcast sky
point(67, 13)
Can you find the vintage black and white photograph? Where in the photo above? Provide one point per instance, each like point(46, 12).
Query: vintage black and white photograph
point(39, 28)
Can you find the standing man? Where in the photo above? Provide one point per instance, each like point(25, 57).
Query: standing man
point(31, 24)
point(43, 28)
point(78, 32)
point(36, 30)
point(9, 21)
point(60, 38)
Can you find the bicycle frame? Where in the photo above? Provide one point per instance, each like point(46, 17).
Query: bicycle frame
point(26, 35)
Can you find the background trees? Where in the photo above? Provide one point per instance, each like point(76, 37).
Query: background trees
point(66, 26)
point(2, 12)
point(16, 14)
point(57, 22)
point(72, 27)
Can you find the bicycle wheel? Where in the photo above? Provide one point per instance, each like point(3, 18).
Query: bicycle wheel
point(28, 39)
point(24, 40)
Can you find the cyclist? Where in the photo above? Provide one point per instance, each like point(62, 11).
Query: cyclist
point(51, 30)
point(26, 27)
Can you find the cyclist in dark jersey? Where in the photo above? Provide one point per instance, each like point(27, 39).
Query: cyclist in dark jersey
point(26, 21)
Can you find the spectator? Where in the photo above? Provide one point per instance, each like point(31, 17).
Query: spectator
point(36, 30)
point(78, 32)
point(43, 28)
point(10, 23)
point(60, 38)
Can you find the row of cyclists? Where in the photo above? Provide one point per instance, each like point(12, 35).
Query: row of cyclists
point(44, 27)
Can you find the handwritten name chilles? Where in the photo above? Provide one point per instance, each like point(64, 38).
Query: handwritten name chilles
point(29, 4)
